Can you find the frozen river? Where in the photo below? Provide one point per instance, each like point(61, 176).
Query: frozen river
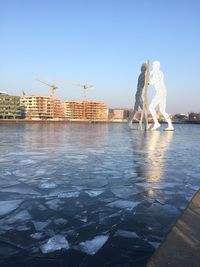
point(85, 195)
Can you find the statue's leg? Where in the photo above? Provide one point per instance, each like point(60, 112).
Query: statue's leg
point(166, 116)
point(131, 117)
point(152, 108)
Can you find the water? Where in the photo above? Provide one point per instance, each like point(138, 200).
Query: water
point(91, 194)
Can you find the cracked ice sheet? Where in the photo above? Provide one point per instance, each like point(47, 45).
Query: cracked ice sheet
point(9, 206)
point(91, 247)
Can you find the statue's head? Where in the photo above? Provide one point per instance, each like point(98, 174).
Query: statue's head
point(143, 67)
point(156, 65)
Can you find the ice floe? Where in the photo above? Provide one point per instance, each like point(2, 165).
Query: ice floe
point(127, 234)
point(38, 235)
point(47, 185)
point(20, 189)
point(54, 204)
point(60, 221)
point(8, 206)
point(40, 225)
point(55, 243)
point(68, 194)
point(21, 216)
point(123, 204)
point(94, 193)
point(91, 247)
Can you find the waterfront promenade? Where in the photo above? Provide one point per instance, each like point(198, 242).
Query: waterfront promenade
point(181, 247)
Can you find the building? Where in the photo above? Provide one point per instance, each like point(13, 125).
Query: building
point(73, 110)
point(119, 114)
point(42, 108)
point(86, 110)
point(9, 106)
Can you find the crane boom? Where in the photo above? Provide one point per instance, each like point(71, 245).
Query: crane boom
point(52, 86)
point(84, 86)
point(73, 83)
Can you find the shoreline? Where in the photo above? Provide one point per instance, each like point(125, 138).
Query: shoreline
point(13, 121)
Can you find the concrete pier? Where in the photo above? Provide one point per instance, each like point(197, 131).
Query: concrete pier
point(181, 247)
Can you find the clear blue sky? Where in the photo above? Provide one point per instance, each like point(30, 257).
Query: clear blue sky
point(102, 42)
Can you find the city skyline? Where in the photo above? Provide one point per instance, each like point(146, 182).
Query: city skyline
point(101, 43)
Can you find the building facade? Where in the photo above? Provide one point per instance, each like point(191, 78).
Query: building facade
point(86, 110)
point(42, 108)
point(9, 106)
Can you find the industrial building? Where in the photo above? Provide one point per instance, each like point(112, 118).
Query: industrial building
point(42, 108)
point(9, 106)
point(86, 110)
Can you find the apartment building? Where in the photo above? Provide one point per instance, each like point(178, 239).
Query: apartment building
point(9, 106)
point(86, 110)
point(42, 108)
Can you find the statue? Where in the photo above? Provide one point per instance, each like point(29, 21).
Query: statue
point(157, 80)
point(141, 96)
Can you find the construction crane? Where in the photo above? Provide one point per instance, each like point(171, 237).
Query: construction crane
point(84, 86)
point(52, 86)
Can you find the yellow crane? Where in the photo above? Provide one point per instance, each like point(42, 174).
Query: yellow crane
point(52, 86)
point(84, 86)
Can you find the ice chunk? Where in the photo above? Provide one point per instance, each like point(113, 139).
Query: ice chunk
point(155, 244)
point(8, 206)
point(123, 192)
point(8, 181)
point(123, 204)
point(91, 247)
point(127, 234)
point(47, 185)
point(20, 174)
point(27, 162)
point(68, 194)
point(56, 242)
point(60, 221)
point(54, 204)
point(105, 218)
point(94, 193)
point(40, 225)
point(21, 216)
point(37, 235)
point(22, 227)
point(20, 189)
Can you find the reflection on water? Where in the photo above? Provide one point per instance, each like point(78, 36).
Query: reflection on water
point(156, 146)
point(153, 145)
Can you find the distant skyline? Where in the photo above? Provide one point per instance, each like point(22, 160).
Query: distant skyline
point(102, 43)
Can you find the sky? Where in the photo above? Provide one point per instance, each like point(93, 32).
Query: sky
point(103, 43)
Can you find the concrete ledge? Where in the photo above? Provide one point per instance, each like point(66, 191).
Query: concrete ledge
point(181, 247)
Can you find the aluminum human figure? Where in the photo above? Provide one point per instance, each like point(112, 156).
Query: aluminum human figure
point(157, 80)
point(139, 101)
